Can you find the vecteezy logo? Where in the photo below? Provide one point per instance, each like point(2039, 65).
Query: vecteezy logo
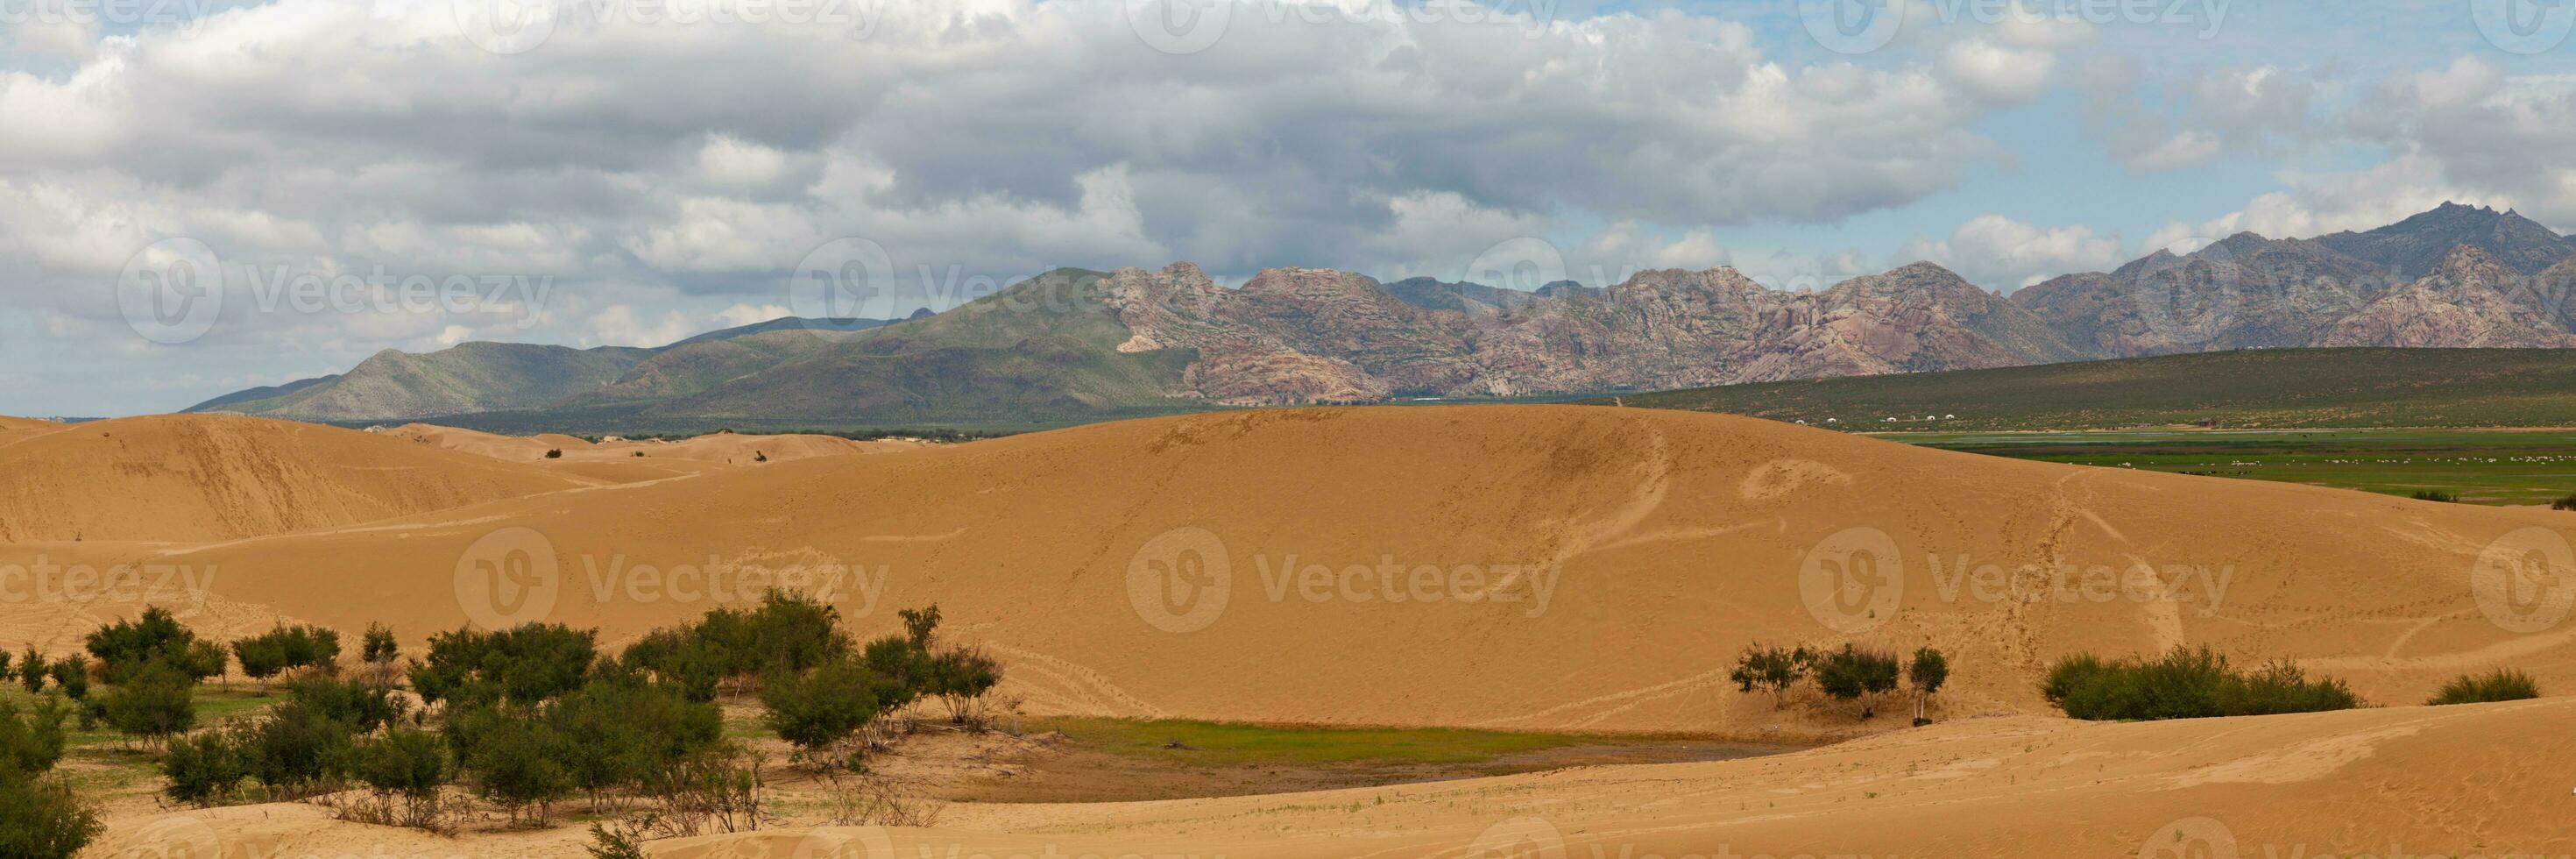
point(867, 842)
point(2195, 300)
point(2524, 26)
point(505, 26)
point(842, 283)
point(1518, 838)
point(1525, 264)
point(2190, 838)
point(1180, 581)
point(2525, 581)
point(1853, 26)
point(1852, 581)
point(1179, 26)
point(507, 578)
point(171, 291)
point(173, 838)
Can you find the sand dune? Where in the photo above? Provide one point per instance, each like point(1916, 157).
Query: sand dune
point(2413, 781)
point(1563, 568)
point(1375, 566)
point(199, 478)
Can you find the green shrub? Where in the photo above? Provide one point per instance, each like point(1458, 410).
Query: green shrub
point(203, 768)
point(2185, 684)
point(71, 677)
point(819, 708)
point(2563, 503)
point(291, 647)
point(361, 705)
point(2502, 684)
point(1771, 667)
point(261, 658)
point(1855, 672)
point(960, 677)
point(517, 761)
point(125, 647)
point(379, 649)
point(411, 764)
point(617, 731)
point(1926, 674)
point(153, 703)
point(32, 670)
point(31, 740)
point(522, 665)
point(40, 818)
point(896, 659)
point(606, 843)
point(295, 750)
point(2443, 496)
point(788, 632)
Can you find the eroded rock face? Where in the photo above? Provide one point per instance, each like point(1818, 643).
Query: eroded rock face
point(1303, 335)
point(2470, 299)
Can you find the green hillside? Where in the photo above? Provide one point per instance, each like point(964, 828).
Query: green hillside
point(2253, 388)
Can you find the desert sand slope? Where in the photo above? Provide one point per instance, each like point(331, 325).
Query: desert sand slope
point(1226, 566)
point(725, 448)
point(208, 477)
point(2486, 780)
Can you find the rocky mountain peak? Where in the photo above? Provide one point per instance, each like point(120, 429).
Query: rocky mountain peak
point(2469, 264)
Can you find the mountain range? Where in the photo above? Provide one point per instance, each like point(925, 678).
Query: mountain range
point(1074, 345)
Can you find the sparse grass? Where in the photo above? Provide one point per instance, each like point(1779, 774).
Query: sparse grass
point(2469, 466)
point(216, 703)
point(2253, 388)
point(2502, 684)
point(1226, 744)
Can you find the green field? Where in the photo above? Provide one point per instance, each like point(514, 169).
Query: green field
point(2479, 466)
point(2245, 389)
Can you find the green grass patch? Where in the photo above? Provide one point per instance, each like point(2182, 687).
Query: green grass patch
point(2521, 467)
point(1232, 744)
point(2243, 389)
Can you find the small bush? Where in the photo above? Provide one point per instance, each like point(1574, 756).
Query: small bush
point(824, 706)
point(1773, 668)
point(30, 740)
point(378, 649)
point(1926, 674)
point(2185, 684)
point(154, 703)
point(2563, 503)
point(203, 769)
point(522, 665)
point(409, 764)
point(517, 761)
point(556, 453)
point(361, 705)
point(2502, 684)
point(2440, 495)
point(788, 632)
point(40, 818)
point(32, 670)
point(71, 676)
point(1855, 672)
point(260, 658)
point(295, 750)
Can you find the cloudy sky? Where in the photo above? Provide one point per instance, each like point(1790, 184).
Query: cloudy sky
point(198, 196)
